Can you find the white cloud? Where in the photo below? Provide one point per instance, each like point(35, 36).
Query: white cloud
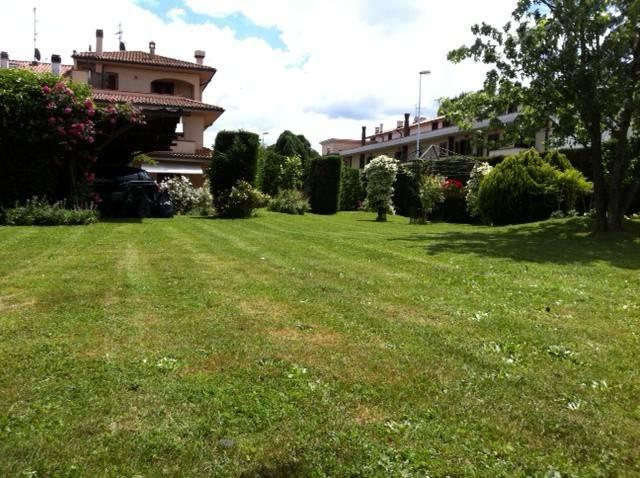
point(340, 54)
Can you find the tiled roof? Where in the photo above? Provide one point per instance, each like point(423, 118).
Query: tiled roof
point(152, 99)
point(200, 154)
point(38, 67)
point(140, 58)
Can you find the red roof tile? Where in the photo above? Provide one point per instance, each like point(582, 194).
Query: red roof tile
point(140, 58)
point(152, 99)
point(38, 67)
point(200, 154)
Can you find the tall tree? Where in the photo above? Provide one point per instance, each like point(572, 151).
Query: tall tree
point(574, 66)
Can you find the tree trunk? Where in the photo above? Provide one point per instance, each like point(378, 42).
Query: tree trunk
point(616, 209)
point(599, 183)
point(382, 215)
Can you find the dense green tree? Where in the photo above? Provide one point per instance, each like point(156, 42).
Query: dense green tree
point(290, 144)
point(574, 67)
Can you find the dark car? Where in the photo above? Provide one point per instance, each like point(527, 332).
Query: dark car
point(126, 191)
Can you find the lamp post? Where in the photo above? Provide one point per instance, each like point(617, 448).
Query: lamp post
point(264, 133)
point(423, 72)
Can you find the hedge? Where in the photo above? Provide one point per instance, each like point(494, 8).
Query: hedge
point(325, 175)
point(235, 158)
point(352, 191)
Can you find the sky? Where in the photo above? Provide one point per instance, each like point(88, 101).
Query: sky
point(322, 68)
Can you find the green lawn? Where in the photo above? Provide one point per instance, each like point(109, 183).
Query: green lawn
point(319, 346)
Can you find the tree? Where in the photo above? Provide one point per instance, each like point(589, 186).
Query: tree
point(325, 177)
point(381, 175)
point(290, 144)
point(574, 67)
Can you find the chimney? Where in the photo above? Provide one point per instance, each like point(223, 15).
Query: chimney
point(4, 59)
point(199, 54)
point(55, 64)
point(364, 136)
point(152, 48)
point(399, 124)
point(99, 36)
point(381, 128)
point(406, 124)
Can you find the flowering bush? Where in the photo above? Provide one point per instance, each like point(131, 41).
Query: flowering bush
point(479, 171)
point(289, 201)
point(380, 174)
point(430, 193)
point(51, 132)
point(184, 196)
point(204, 205)
point(452, 188)
point(240, 201)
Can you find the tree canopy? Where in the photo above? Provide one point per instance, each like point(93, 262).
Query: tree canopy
point(573, 67)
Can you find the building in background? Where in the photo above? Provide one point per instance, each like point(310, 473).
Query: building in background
point(401, 142)
point(153, 83)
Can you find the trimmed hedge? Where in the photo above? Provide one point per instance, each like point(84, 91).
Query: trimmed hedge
point(37, 212)
point(235, 158)
point(352, 191)
point(325, 177)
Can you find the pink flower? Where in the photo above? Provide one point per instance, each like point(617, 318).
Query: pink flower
point(52, 120)
point(67, 110)
point(51, 105)
point(88, 103)
point(60, 130)
point(112, 121)
point(90, 140)
point(46, 90)
point(90, 113)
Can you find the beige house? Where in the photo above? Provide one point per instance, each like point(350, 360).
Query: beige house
point(400, 142)
point(151, 82)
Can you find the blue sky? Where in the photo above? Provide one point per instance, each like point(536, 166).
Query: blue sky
point(242, 26)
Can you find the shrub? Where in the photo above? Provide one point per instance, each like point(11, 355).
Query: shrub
point(381, 175)
point(289, 201)
point(571, 185)
point(37, 212)
point(184, 196)
point(235, 159)
point(325, 177)
point(430, 193)
point(558, 160)
point(280, 172)
point(519, 189)
point(453, 207)
point(479, 171)
point(352, 192)
point(204, 204)
point(240, 201)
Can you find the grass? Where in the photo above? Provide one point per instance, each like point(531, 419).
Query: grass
point(319, 346)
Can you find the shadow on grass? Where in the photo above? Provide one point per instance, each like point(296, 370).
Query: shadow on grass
point(121, 220)
point(561, 242)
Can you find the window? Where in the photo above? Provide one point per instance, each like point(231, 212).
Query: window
point(434, 125)
point(110, 81)
point(389, 136)
point(163, 87)
point(362, 161)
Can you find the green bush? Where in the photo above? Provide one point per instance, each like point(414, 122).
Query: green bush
point(240, 201)
point(519, 189)
point(289, 201)
point(571, 186)
point(325, 176)
point(235, 159)
point(280, 172)
point(37, 212)
point(405, 193)
point(352, 191)
point(558, 160)
point(430, 194)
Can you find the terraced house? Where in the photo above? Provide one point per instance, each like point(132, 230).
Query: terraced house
point(154, 83)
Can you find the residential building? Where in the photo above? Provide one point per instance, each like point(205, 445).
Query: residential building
point(400, 142)
point(153, 83)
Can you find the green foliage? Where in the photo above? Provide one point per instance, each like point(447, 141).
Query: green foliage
point(325, 178)
point(280, 172)
point(240, 201)
point(289, 201)
point(38, 212)
point(52, 133)
point(571, 186)
point(235, 159)
point(558, 160)
point(430, 194)
point(380, 174)
point(352, 191)
point(479, 171)
point(573, 67)
point(519, 189)
point(289, 145)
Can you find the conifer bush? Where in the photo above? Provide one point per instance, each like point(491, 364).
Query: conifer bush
point(325, 177)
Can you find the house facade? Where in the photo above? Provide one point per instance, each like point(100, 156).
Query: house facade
point(153, 83)
point(401, 141)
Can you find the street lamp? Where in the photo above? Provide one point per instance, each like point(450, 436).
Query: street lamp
point(423, 72)
point(264, 133)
